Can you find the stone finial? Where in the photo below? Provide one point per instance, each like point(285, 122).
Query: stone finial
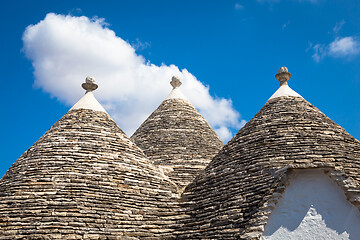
point(175, 82)
point(89, 84)
point(283, 75)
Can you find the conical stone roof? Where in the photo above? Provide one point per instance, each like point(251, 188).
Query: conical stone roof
point(177, 138)
point(85, 179)
point(234, 196)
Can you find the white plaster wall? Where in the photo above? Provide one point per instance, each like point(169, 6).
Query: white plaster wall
point(284, 91)
point(88, 101)
point(176, 93)
point(313, 207)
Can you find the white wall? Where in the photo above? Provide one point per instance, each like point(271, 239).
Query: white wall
point(313, 207)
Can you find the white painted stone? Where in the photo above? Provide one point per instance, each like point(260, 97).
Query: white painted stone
point(176, 93)
point(88, 101)
point(284, 91)
point(313, 207)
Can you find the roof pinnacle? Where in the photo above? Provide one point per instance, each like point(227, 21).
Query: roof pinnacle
point(88, 101)
point(175, 92)
point(284, 90)
point(175, 82)
point(283, 75)
point(89, 84)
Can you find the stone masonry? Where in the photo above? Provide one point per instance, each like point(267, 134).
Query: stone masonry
point(178, 139)
point(236, 193)
point(85, 179)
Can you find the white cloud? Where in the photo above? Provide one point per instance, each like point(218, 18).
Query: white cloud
point(238, 6)
point(66, 49)
point(338, 26)
point(138, 45)
point(343, 47)
point(339, 48)
point(319, 52)
point(224, 131)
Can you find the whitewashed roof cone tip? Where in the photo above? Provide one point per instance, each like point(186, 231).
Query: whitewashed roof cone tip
point(88, 101)
point(175, 93)
point(284, 90)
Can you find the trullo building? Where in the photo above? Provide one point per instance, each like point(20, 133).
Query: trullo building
point(85, 179)
point(289, 173)
point(177, 138)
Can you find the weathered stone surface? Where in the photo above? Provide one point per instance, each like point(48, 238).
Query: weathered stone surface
point(178, 139)
point(237, 191)
point(85, 179)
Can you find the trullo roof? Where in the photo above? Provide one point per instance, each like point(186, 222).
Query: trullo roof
point(234, 196)
point(177, 138)
point(85, 179)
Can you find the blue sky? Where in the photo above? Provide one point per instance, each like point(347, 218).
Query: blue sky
point(227, 53)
